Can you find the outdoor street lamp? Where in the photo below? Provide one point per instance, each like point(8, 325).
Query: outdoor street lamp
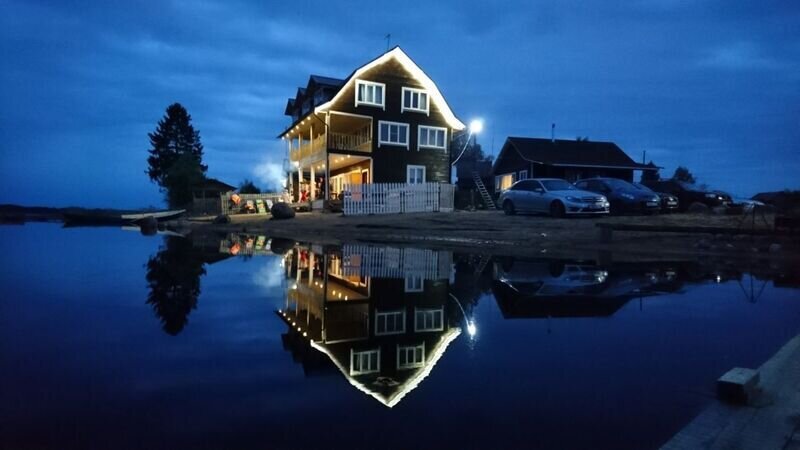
point(475, 127)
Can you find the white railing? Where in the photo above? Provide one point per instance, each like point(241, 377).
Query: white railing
point(395, 198)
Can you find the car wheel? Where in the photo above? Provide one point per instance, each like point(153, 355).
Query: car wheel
point(508, 208)
point(557, 209)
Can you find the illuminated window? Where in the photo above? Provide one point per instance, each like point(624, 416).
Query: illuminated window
point(414, 283)
point(503, 182)
point(415, 100)
point(393, 322)
point(370, 93)
point(365, 362)
point(410, 357)
point(428, 320)
point(432, 137)
point(392, 133)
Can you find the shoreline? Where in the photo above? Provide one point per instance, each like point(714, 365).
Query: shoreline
point(493, 233)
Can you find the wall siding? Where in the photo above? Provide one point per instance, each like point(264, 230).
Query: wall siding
point(389, 162)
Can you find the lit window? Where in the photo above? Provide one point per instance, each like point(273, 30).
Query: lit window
point(365, 362)
point(393, 322)
point(428, 320)
point(370, 93)
point(392, 133)
point(503, 182)
point(415, 100)
point(414, 283)
point(432, 137)
point(410, 357)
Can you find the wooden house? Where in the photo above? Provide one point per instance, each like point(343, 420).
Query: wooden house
point(522, 158)
point(387, 122)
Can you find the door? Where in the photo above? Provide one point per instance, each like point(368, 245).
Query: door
point(538, 200)
point(415, 174)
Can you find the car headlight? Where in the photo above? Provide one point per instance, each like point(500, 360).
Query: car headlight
point(656, 199)
point(626, 195)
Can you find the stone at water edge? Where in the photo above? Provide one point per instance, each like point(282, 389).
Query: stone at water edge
point(282, 211)
point(738, 385)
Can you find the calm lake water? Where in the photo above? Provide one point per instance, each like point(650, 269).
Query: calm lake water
point(110, 339)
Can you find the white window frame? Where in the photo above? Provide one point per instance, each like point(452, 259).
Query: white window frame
point(427, 129)
point(415, 91)
point(369, 84)
point(386, 315)
point(408, 172)
point(411, 284)
point(412, 349)
point(421, 327)
point(523, 174)
point(365, 356)
point(381, 141)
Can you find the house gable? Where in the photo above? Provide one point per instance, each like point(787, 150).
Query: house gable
point(395, 69)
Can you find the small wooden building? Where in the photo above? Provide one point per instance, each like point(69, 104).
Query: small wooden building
point(206, 196)
point(522, 158)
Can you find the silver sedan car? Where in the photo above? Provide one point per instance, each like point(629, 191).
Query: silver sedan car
point(551, 195)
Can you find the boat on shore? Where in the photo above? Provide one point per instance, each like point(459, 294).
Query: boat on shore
point(111, 218)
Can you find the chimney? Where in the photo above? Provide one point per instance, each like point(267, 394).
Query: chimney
point(553, 133)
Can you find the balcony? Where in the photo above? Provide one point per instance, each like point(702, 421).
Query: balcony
point(315, 149)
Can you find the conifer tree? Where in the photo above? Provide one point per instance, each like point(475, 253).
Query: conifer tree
point(176, 156)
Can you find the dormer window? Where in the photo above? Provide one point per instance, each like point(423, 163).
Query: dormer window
point(319, 96)
point(370, 93)
point(415, 100)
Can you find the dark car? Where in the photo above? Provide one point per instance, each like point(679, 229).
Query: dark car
point(688, 193)
point(623, 196)
point(669, 202)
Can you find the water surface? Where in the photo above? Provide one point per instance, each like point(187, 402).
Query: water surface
point(110, 339)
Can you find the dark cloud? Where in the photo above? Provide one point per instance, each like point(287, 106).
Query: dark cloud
point(710, 84)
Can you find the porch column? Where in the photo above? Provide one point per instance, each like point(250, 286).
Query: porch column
point(313, 186)
point(299, 182)
point(327, 176)
point(311, 268)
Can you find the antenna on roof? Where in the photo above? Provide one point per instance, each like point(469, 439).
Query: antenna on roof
point(553, 133)
point(388, 41)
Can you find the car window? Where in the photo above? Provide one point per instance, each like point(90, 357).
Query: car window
point(526, 185)
point(558, 185)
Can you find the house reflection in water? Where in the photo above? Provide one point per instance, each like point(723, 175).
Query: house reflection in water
point(383, 316)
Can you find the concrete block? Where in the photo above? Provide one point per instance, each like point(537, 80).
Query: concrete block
point(738, 385)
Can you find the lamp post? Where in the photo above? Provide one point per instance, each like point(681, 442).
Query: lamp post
point(475, 127)
point(472, 330)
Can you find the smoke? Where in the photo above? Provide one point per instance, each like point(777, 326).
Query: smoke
point(270, 175)
point(270, 275)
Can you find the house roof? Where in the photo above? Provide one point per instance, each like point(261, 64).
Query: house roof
point(213, 183)
point(398, 54)
point(562, 152)
point(326, 81)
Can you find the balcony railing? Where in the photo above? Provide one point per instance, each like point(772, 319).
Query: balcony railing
point(361, 141)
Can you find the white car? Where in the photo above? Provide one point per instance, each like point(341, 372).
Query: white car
point(551, 196)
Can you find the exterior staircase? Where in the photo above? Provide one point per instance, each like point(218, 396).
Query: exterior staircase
point(487, 198)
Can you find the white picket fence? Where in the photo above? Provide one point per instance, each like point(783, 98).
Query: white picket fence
point(395, 198)
point(394, 262)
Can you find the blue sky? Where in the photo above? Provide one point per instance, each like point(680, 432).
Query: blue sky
point(713, 85)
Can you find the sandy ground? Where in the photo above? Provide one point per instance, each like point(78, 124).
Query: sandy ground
point(492, 232)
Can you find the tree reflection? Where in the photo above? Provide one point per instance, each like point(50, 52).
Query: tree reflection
point(173, 277)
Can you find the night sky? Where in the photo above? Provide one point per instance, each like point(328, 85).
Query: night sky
point(712, 85)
